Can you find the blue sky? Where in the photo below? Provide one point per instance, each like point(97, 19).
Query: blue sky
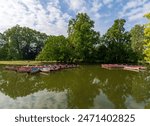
point(52, 16)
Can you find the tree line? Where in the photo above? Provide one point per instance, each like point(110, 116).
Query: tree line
point(21, 43)
point(82, 44)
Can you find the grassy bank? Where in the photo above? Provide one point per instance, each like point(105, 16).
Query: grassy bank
point(24, 62)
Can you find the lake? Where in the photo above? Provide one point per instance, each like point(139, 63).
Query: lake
point(88, 86)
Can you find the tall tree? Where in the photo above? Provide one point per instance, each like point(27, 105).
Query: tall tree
point(118, 44)
point(137, 40)
point(57, 48)
point(3, 47)
point(147, 39)
point(2, 40)
point(83, 37)
point(24, 43)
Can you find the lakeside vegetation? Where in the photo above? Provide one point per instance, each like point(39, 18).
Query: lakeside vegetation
point(83, 44)
point(25, 62)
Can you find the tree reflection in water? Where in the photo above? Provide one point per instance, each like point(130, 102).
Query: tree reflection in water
point(86, 87)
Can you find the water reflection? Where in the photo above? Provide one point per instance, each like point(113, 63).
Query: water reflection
point(85, 87)
point(117, 85)
point(102, 101)
point(41, 99)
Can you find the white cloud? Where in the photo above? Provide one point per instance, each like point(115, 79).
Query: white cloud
point(58, 20)
point(107, 1)
point(96, 5)
point(91, 7)
point(37, 100)
point(52, 17)
point(32, 14)
point(130, 5)
point(76, 5)
point(134, 10)
point(49, 19)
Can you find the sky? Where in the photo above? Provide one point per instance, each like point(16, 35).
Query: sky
point(52, 16)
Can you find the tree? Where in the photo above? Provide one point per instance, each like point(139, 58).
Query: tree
point(56, 48)
point(147, 39)
point(24, 43)
point(118, 44)
point(3, 47)
point(83, 37)
point(137, 40)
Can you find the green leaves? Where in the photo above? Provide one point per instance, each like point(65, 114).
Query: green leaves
point(24, 43)
point(147, 39)
point(57, 48)
point(3, 47)
point(83, 37)
point(83, 43)
point(117, 43)
point(137, 40)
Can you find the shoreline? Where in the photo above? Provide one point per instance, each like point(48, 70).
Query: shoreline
point(26, 62)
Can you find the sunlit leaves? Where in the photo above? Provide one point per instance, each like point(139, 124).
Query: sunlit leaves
point(137, 40)
point(83, 37)
point(24, 43)
point(147, 39)
point(57, 48)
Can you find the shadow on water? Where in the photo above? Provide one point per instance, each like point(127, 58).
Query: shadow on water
point(88, 86)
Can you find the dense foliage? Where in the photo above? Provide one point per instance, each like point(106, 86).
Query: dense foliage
point(137, 40)
point(3, 47)
point(22, 43)
point(117, 44)
point(83, 43)
point(147, 39)
point(56, 48)
point(83, 37)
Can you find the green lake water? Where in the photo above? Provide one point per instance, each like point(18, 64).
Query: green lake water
point(88, 86)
